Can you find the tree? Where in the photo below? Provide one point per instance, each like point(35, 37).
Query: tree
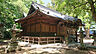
point(8, 13)
point(83, 9)
point(11, 10)
point(41, 2)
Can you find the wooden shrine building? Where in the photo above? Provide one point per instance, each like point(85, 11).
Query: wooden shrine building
point(44, 25)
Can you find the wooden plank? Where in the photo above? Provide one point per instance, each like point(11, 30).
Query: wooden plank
point(32, 28)
point(28, 28)
point(38, 28)
point(47, 28)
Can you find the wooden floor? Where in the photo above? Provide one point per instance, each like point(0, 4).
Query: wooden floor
point(41, 40)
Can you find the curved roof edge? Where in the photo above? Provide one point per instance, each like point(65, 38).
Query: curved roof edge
point(50, 12)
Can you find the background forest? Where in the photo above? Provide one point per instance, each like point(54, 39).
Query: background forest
point(16, 9)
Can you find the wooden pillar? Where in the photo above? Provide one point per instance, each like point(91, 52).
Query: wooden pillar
point(38, 40)
point(33, 40)
point(60, 39)
point(40, 27)
point(76, 35)
point(58, 29)
point(30, 30)
point(47, 40)
point(28, 39)
point(24, 39)
point(54, 39)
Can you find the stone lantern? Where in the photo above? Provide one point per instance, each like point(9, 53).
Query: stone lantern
point(81, 35)
point(13, 44)
point(14, 30)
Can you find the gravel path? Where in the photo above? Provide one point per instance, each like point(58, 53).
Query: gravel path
point(51, 50)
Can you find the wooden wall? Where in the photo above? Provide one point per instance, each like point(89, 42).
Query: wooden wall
point(39, 28)
point(42, 24)
point(63, 30)
point(33, 28)
point(48, 28)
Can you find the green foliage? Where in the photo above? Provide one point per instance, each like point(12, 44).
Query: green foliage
point(7, 35)
point(41, 2)
point(21, 5)
point(8, 13)
point(79, 8)
point(11, 10)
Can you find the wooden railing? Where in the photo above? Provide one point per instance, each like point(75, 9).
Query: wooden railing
point(41, 40)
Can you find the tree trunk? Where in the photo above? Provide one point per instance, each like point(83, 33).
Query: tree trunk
point(92, 9)
point(87, 33)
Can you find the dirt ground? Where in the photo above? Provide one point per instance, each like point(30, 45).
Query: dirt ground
point(63, 51)
point(60, 51)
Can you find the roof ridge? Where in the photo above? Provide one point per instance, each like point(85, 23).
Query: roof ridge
point(45, 7)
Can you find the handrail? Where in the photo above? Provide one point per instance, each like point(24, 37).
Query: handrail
point(40, 40)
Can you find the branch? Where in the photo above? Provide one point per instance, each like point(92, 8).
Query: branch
point(86, 8)
point(92, 9)
point(95, 1)
point(80, 5)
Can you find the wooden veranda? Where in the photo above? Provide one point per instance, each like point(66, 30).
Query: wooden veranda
point(41, 40)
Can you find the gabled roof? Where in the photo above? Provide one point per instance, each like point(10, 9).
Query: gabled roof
point(49, 11)
point(28, 16)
